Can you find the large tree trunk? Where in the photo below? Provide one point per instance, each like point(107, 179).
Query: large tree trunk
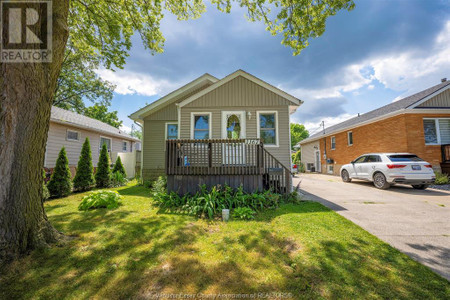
point(26, 95)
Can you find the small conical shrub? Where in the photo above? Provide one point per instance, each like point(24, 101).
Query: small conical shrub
point(102, 176)
point(60, 183)
point(84, 179)
point(118, 167)
point(45, 192)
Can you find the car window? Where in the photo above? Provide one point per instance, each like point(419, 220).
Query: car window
point(404, 157)
point(360, 159)
point(373, 158)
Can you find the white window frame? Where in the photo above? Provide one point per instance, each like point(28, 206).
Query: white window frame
point(72, 140)
point(243, 122)
point(438, 131)
point(348, 138)
point(100, 143)
point(165, 129)
point(193, 115)
point(126, 146)
point(277, 131)
point(331, 143)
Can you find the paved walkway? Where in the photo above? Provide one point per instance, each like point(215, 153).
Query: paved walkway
point(413, 221)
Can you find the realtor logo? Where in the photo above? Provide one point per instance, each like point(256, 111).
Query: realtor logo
point(26, 31)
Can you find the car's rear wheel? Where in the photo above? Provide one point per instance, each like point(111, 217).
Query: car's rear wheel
point(380, 182)
point(345, 176)
point(420, 186)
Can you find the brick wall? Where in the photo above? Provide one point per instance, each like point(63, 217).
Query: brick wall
point(403, 133)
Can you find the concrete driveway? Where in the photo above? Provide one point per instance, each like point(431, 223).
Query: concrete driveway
point(415, 222)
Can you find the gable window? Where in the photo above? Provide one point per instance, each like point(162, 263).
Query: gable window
point(436, 131)
point(333, 143)
point(171, 131)
point(72, 135)
point(107, 142)
point(268, 127)
point(350, 138)
point(201, 126)
point(124, 146)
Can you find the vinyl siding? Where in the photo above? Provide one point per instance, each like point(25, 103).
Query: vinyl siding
point(57, 139)
point(308, 152)
point(154, 145)
point(282, 152)
point(239, 92)
point(440, 100)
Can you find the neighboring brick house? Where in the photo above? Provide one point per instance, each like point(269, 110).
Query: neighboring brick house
point(418, 124)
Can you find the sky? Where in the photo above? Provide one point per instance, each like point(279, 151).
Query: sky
point(380, 52)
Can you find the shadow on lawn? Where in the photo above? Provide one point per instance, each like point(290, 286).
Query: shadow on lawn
point(121, 254)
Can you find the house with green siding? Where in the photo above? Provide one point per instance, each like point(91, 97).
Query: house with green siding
point(233, 130)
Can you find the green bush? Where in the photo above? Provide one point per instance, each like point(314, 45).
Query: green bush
point(296, 157)
point(84, 178)
point(301, 167)
point(100, 199)
point(244, 213)
point(60, 184)
point(209, 203)
point(159, 186)
point(103, 174)
point(45, 192)
point(118, 167)
point(117, 179)
point(441, 178)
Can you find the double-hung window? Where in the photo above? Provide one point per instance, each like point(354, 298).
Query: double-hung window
point(124, 146)
point(268, 128)
point(436, 131)
point(72, 135)
point(107, 142)
point(350, 138)
point(333, 143)
point(201, 126)
point(171, 131)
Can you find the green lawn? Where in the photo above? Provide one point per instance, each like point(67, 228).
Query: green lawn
point(136, 251)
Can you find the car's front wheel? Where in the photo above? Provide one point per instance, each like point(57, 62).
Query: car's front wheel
point(380, 182)
point(345, 176)
point(420, 186)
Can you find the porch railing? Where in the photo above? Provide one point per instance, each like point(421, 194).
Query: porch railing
point(226, 157)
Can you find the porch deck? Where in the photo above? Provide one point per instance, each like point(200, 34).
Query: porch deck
point(235, 162)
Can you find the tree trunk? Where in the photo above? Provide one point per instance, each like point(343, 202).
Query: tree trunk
point(26, 95)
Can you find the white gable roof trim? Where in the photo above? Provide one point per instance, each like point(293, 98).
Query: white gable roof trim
point(295, 101)
point(158, 103)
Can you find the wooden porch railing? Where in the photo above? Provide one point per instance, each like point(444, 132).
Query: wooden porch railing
point(229, 157)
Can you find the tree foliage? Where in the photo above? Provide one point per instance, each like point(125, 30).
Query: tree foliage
point(137, 133)
point(298, 133)
point(100, 112)
point(118, 167)
point(84, 178)
point(60, 183)
point(103, 173)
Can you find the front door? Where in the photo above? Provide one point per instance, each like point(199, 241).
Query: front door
point(317, 164)
point(233, 128)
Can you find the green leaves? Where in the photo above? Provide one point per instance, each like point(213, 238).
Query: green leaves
point(100, 199)
point(298, 133)
point(60, 184)
point(84, 178)
point(100, 112)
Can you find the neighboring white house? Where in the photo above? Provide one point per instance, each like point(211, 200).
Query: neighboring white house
point(69, 130)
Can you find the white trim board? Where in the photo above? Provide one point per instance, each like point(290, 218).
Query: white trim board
point(277, 131)
point(193, 114)
point(246, 75)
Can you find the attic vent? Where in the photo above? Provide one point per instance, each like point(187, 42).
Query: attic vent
point(443, 79)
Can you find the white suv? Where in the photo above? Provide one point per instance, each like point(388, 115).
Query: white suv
point(385, 169)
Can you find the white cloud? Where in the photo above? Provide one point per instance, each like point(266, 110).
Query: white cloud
point(409, 72)
point(314, 127)
point(125, 128)
point(128, 83)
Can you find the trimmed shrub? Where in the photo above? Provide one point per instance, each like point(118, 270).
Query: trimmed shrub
point(100, 199)
point(84, 178)
point(244, 213)
point(441, 178)
point(45, 192)
point(117, 179)
point(60, 183)
point(103, 174)
point(118, 167)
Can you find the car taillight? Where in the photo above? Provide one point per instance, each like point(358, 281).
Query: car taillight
point(429, 166)
point(396, 166)
point(295, 166)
